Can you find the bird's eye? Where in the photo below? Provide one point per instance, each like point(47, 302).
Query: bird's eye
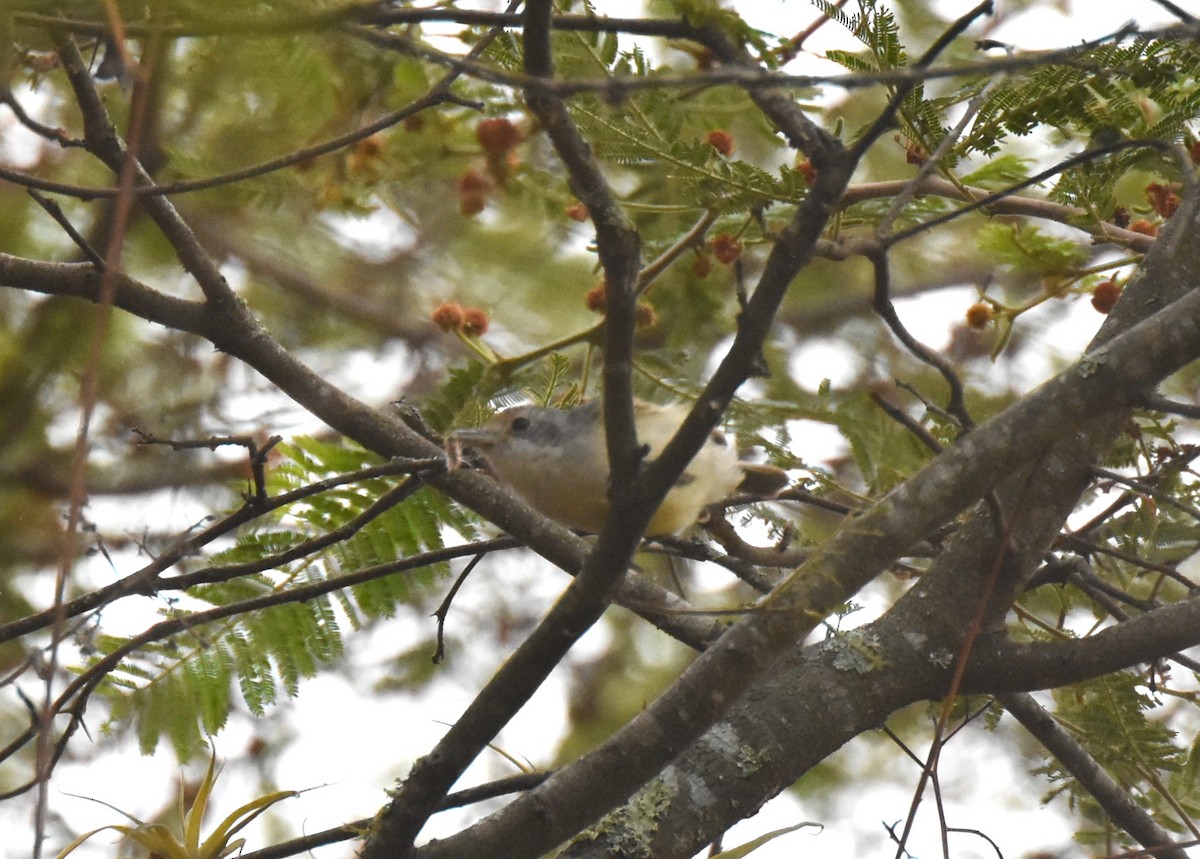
point(520, 424)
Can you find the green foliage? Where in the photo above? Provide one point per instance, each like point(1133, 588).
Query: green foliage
point(1029, 250)
point(998, 172)
point(1129, 91)
point(180, 687)
point(921, 119)
point(1132, 90)
point(713, 13)
point(875, 26)
point(1110, 718)
point(884, 452)
point(187, 842)
point(457, 395)
point(660, 138)
point(1184, 782)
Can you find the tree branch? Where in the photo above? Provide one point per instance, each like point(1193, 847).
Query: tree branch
point(1116, 801)
point(1000, 666)
point(586, 598)
point(921, 634)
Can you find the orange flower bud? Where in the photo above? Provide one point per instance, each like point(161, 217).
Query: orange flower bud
point(1163, 198)
point(497, 136)
point(726, 248)
point(448, 316)
point(722, 141)
point(475, 322)
point(365, 154)
point(1105, 295)
point(979, 315)
point(473, 189)
point(597, 298)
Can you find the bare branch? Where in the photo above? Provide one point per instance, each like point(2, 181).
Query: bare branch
point(882, 303)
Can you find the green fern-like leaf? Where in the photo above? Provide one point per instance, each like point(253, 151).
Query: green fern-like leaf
point(698, 179)
point(1185, 782)
point(999, 172)
point(181, 688)
point(852, 61)
point(875, 26)
point(1028, 249)
point(458, 395)
point(712, 13)
point(885, 454)
point(1108, 716)
point(1113, 92)
point(211, 676)
point(253, 668)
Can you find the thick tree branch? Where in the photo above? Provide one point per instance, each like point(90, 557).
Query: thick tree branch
point(82, 280)
point(920, 636)
point(1000, 666)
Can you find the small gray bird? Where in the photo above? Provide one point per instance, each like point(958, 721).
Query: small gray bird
point(557, 461)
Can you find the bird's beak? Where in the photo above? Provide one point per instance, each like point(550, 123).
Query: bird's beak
point(479, 438)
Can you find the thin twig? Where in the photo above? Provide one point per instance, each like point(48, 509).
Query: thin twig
point(147, 581)
point(127, 168)
point(444, 609)
point(55, 211)
point(883, 306)
point(1062, 166)
point(358, 828)
point(1083, 546)
point(257, 456)
point(80, 689)
point(901, 417)
point(1144, 488)
point(934, 161)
